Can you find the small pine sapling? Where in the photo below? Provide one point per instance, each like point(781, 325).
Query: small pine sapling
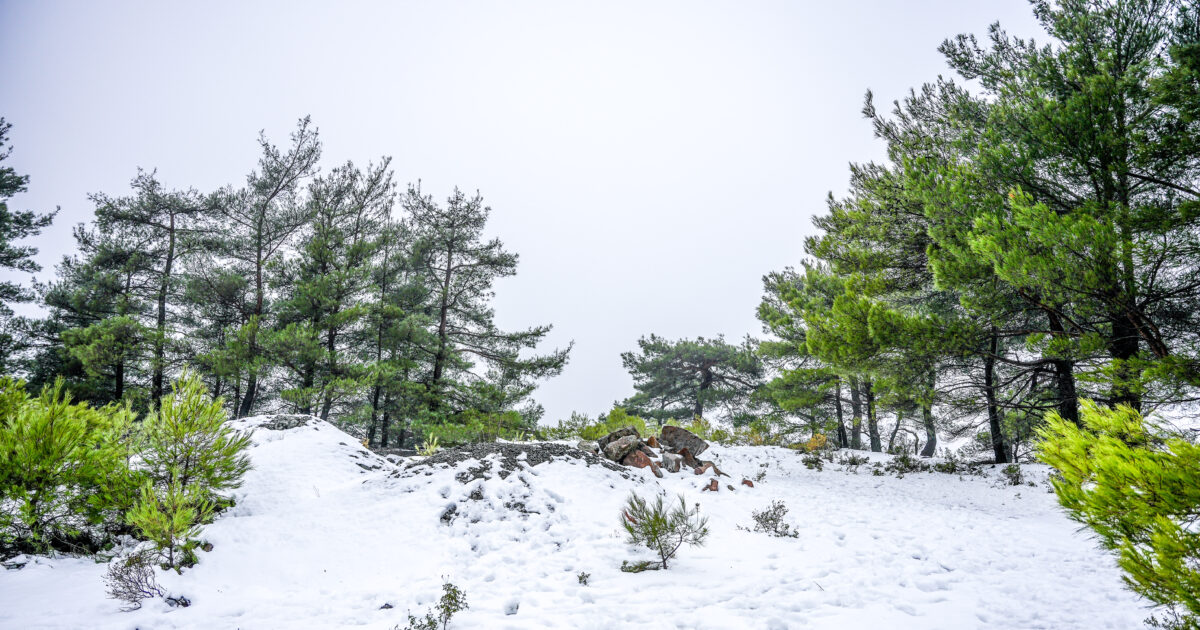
point(663, 529)
point(170, 519)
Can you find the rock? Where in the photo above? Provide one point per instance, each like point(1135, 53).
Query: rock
point(671, 462)
point(730, 486)
point(704, 467)
point(646, 449)
point(675, 438)
point(616, 450)
point(638, 459)
point(603, 442)
point(712, 486)
point(747, 482)
point(652, 442)
point(589, 446)
point(688, 460)
point(511, 607)
point(448, 514)
point(386, 607)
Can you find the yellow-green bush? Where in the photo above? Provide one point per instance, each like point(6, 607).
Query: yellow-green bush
point(1138, 487)
point(64, 474)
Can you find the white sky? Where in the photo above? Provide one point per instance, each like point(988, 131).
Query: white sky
point(649, 161)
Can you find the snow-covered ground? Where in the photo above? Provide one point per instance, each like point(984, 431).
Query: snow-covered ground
point(325, 534)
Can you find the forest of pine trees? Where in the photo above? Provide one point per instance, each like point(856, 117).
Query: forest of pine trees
point(332, 294)
point(1032, 240)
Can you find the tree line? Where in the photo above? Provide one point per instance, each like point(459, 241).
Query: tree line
point(1032, 240)
point(327, 293)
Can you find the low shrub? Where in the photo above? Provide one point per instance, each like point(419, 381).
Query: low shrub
point(452, 602)
point(131, 579)
point(851, 462)
point(904, 464)
point(662, 529)
point(770, 521)
point(813, 461)
point(1013, 475)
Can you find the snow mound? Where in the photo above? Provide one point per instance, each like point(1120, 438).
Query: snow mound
point(325, 534)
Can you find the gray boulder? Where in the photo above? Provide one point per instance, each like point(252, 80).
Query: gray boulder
point(603, 442)
point(672, 462)
point(674, 439)
point(588, 446)
point(616, 450)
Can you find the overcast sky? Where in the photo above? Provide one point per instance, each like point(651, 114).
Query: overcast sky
point(649, 161)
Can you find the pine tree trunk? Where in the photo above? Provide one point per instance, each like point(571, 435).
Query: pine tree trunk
point(999, 452)
point(872, 418)
point(1068, 404)
point(156, 379)
point(841, 427)
point(856, 414)
point(895, 430)
point(706, 379)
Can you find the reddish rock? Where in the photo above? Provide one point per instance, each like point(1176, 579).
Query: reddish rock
point(712, 486)
point(747, 482)
point(652, 442)
point(703, 468)
point(638, 459)
point(705, 463)
point(689, 460)
point(676, 438)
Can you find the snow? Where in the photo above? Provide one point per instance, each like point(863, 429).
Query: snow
point(325, 533)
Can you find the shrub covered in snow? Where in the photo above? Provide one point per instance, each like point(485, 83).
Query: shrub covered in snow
point(663, 529)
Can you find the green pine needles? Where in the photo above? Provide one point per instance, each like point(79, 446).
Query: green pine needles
point(190, 458)
point(661, 528)
point(73, 477)
point(1138, 487)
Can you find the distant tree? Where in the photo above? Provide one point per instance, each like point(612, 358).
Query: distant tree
point(167, 226)
point(259, 221)
point(681, 379)
point(459, 268)
point(325, 288)
point(14, 226)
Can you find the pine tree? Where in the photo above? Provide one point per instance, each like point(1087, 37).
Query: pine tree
point(15, 226)
point(459, 268)
point(327, 285)
point(260, 220)
point(684, 378)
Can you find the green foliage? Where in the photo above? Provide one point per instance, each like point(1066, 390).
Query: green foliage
point(170, 519)
point(452, 602)
point(680, 379)
point(63, 470)
point(583, 577)
point(662, 529)
point(191, 457)
point(1137, 487)
point(187, 441)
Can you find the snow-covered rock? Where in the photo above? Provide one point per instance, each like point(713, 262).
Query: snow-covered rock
point(325, 533)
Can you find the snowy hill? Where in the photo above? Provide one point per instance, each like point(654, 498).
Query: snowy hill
point(326, 533)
